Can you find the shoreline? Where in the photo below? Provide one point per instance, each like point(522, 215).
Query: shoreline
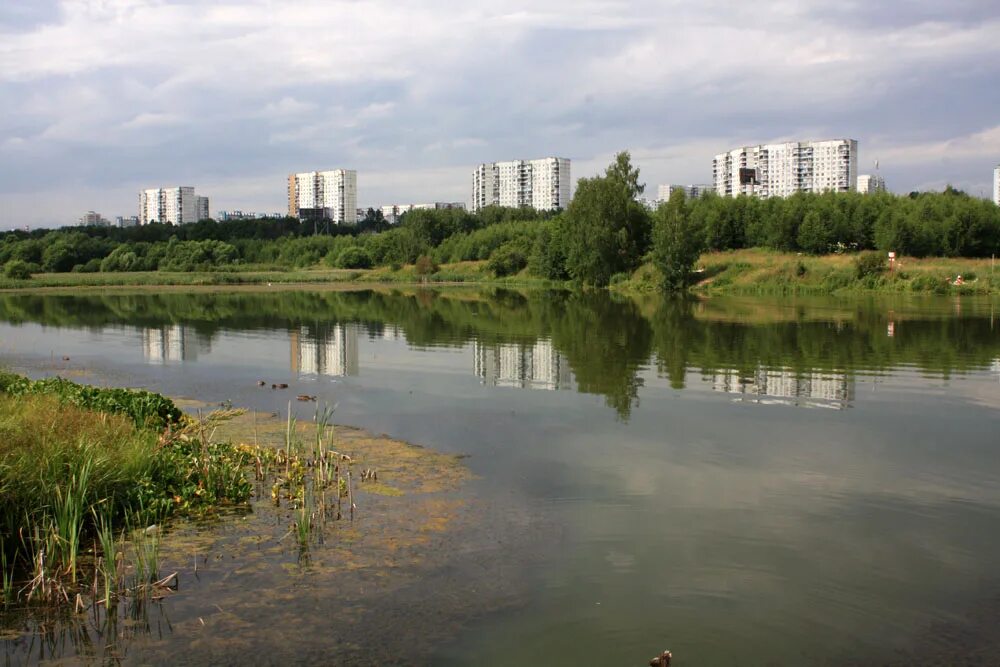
point(752, 271)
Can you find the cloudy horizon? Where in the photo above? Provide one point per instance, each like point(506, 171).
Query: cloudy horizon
point(105, 97)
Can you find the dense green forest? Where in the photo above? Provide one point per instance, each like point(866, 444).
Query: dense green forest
point(604, 232)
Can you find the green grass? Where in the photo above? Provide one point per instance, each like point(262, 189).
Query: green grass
point(246, 276)
point(766, 272)
point(144, 408)
point(460, 272)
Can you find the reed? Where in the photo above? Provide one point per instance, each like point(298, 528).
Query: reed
point(146, 555)
point(6, 578)
point(107, 564)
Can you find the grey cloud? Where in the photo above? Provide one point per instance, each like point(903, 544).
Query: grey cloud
point(114, 96)
point(24, 15)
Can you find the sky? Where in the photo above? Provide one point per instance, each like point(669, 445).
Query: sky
point(101, 98)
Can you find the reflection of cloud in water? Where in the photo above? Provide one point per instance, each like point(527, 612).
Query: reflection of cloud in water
point(620, 561)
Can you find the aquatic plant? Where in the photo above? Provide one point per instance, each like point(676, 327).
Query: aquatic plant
point(144, 408)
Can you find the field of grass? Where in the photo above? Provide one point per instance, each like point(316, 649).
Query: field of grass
point(757, 271)
point(249, 276)
point(461, 272)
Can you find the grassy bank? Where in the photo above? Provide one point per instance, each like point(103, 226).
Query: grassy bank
point(742, 272)
point(83, 472)
point(757, 271)
point(459, 272)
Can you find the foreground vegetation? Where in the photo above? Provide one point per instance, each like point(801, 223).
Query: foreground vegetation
point(87, 474)
point(603, 236)
point(85, 471)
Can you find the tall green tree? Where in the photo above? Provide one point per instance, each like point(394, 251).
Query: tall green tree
point(677, 242)
point(605, 230)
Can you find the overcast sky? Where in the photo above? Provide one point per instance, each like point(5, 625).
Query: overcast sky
point(99, 99)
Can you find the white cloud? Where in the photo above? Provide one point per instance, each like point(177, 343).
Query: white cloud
point(983, 145)
point(149, 120)
point(223, 90)
point(287, 108)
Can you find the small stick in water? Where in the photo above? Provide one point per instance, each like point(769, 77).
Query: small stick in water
point(350, 494)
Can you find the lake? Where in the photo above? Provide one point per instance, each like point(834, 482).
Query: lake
point(752, 481)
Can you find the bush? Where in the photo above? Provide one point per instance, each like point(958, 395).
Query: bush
point(144, 408)
point(354, 258)
point(869, 264)
point(425, 266)
point(929, 283)
point(507, 260)
point(17, 269)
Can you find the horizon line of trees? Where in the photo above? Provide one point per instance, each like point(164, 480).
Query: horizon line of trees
point(605, 232)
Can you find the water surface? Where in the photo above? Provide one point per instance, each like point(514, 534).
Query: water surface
point(743, 481)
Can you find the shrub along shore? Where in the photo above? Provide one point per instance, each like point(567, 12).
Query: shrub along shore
point(751, 271)
point(604, 236)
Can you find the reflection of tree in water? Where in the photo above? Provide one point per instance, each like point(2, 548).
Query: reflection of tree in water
point(675, 332)
point(605, 339)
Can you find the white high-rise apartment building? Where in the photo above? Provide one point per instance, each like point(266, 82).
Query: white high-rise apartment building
point(393, 212)
point(178, 206)
point(92, 218)
point(869, 184)
point(690, 191)
point(203, 213)
point(780, 170)
point(996, 185)
point(542, 184)
point(332, 194)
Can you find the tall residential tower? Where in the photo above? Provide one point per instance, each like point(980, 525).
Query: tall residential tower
point(869, 184)
point(177, 206)
point(996, 185)
point(327, 194)
point(542, 184)
point(780, 170)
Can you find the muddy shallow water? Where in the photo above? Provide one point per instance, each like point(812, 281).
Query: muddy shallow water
point(744, 481)
point(247, 591)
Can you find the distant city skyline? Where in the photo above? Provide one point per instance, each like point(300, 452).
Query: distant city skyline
point(230, 98)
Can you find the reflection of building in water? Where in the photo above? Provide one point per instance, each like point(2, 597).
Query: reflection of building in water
point(392, 332)
point(332, 351)
point(536, 366)
point(167, 344)
point(815, 389)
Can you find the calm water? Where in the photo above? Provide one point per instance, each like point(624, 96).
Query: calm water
point(743, 481)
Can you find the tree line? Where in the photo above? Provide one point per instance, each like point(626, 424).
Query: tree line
point(603, 234)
